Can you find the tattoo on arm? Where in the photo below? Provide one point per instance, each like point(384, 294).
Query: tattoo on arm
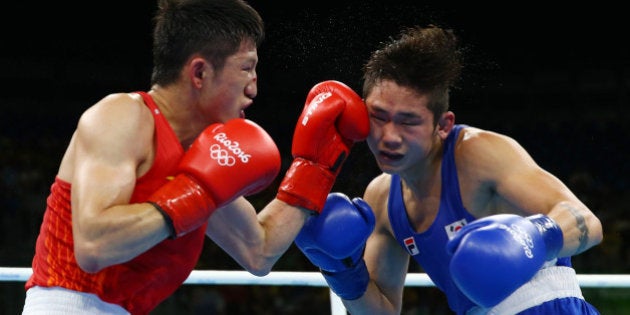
point(581, 225)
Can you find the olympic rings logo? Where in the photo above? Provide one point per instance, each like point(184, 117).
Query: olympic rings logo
point(523, 238)
point(222, 154)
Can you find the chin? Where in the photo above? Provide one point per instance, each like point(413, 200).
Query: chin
point(389, 169)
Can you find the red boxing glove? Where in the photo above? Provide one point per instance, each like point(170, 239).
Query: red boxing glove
point(333, 118)
point(226, 161)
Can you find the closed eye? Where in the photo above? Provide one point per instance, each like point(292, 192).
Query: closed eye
point(379, 118)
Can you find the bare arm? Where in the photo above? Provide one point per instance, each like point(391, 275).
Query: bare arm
point(581, 229)
point(256, 241)
point(107, 149)
point(387, 262)
point(524, 185)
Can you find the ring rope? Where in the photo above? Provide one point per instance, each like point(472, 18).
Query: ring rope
point(315, 279)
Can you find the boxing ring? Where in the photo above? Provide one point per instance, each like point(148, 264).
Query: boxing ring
point(315, 279)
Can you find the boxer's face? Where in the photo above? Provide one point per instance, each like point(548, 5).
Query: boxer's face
point(402, 132)
point(232, 89)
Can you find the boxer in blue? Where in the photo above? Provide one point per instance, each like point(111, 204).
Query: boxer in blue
point(493, 230)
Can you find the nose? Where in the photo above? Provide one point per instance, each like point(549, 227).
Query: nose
point(251, 90)
point(390, 135)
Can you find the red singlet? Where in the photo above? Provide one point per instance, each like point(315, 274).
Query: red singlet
point(138, 285)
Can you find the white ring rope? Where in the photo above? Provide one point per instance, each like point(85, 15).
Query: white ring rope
point(315, 279)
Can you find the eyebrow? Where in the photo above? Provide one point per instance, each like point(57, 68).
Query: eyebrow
point(407, 115)
point(403, 115)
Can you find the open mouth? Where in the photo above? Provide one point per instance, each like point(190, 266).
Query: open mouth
point(390, 157)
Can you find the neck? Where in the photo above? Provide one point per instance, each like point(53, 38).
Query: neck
point(178, 112)
point(426, 173)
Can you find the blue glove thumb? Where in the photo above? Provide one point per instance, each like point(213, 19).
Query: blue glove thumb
point(334, 239)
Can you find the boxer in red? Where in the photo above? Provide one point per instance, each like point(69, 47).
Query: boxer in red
point(148, 176)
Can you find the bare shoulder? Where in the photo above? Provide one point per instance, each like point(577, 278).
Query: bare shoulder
point(473, 139)
point(116, 131)
point(121, 107)
point(377, 192)
point(475, 144)
point(120, 114)
point(117, 121)
point(483, 155)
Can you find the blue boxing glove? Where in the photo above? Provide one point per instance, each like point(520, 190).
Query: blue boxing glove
point(495, 255)
point(334, 241)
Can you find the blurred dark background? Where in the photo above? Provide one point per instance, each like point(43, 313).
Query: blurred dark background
point(557, 79)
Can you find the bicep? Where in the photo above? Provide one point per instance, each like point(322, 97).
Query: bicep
point(524, 184)
point(508, 174)
point(533, 190)
point(105, 161)
point(520, 183)
point(100, 183)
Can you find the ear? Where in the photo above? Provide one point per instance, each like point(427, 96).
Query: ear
point(199, 69)
point(445, 124)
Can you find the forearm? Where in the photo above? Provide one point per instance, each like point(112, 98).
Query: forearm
point(580, 227)
point(256, 242)
point(112, 237)
point(281, 223)
point(373, 302)
point(384, 292)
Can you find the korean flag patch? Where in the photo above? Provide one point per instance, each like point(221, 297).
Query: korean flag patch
point(452, 228)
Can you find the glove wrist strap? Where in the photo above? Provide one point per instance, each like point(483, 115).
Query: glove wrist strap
point(184, 204)
point(306, 184)
point(349, 284)
point(551, 233)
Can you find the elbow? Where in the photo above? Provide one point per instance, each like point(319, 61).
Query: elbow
point(87, 257)
point(255, 260)
point(596, 231)
point(259, 268)
point(589, 234)
point(260, 272)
